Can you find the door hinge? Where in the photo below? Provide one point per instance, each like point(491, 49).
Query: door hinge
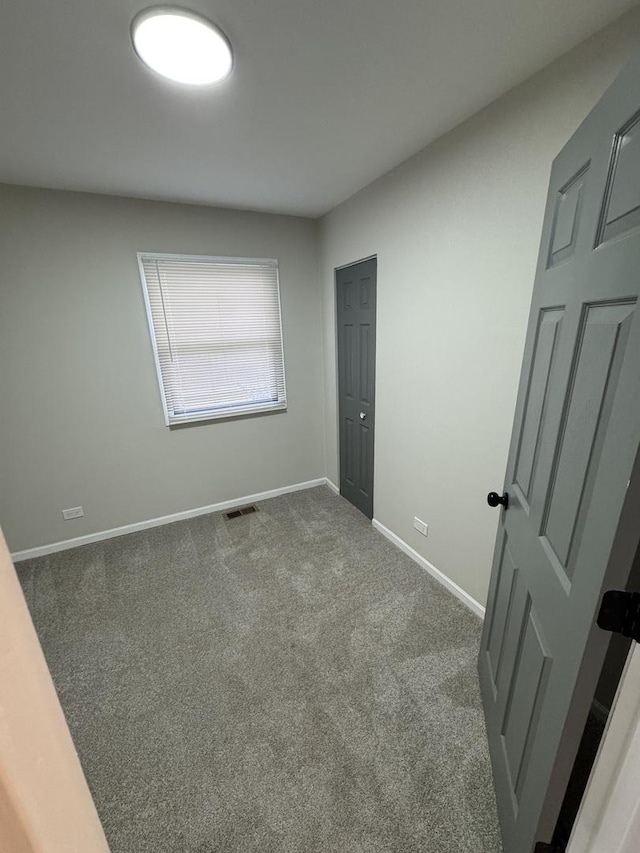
point(620, 613)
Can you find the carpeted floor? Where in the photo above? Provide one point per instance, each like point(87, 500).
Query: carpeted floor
point(284, 682)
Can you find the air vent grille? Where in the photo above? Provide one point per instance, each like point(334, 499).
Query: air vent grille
point(244, 510)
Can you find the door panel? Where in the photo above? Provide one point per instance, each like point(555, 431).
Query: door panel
point(566, 219)
point(526, 693)
point(599, 353)
point(502, 614)
point(356, 316)
point(348, 342)
point(621, 209)
point(366, 475)
point(349, 438)
point(574, 449)
point(537, 393)
point(365, 364)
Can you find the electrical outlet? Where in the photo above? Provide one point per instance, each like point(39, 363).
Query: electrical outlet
point(421, 526)
point(74, 512)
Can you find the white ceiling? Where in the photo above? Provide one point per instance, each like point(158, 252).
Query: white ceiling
point(325, 96)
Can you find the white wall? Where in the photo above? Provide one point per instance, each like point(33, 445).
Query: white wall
point(81, 420)
point(456, 232)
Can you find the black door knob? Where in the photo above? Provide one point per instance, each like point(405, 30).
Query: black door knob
point(494, 499)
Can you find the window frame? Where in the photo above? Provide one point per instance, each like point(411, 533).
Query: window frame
point(212, 415)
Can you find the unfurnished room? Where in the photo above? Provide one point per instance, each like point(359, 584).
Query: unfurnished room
point(320, 427)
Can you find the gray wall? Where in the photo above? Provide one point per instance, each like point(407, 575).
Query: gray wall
point(456, 232)
point(81, 420)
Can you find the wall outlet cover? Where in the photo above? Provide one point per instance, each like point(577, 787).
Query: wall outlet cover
point(73, 512)
point(421, 526)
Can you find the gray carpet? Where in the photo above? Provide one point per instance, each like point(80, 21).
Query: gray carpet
point(282, 682)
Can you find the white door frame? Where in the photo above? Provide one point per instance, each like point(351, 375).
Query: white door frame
point(609, 816)
point(45, 802)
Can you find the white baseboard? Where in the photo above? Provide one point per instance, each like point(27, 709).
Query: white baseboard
point(43, 550)
point(453, 587)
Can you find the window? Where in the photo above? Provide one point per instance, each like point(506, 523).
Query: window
point(216, 332)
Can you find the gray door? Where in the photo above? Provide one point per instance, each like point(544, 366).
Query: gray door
point(356, 310)
point(572, 523)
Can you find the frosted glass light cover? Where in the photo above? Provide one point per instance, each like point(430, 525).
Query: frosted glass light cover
point(181, 46)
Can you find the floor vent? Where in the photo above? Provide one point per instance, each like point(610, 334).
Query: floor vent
point(245, 510)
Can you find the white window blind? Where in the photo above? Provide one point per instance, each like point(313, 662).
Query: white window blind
point(216, 331)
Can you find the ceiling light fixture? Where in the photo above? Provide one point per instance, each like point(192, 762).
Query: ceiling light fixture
point(181, 45)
